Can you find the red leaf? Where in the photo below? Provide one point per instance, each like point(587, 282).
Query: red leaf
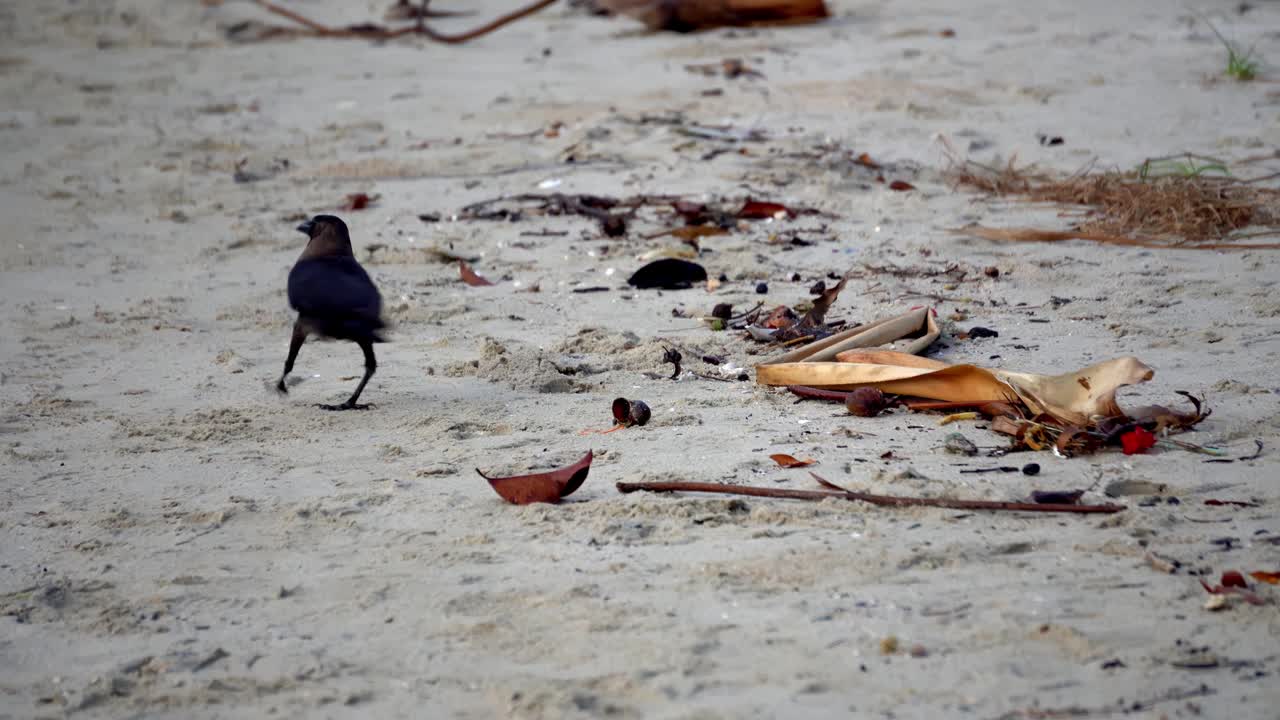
point(865, 161)
point(1272, 578)
point(359, 201)
point(546, 487)
point(1137, 440)
point(758, 210)
point(1249, 596)
point(469, 276)
point(901, 186)
point(1233, 578)
point(788, 461)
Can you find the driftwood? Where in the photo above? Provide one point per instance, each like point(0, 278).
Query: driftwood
point(883, 500)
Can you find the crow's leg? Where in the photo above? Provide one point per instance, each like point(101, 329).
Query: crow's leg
point(295, 344)
point(370, 365)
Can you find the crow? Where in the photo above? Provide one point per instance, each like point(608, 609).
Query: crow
point(334, 298)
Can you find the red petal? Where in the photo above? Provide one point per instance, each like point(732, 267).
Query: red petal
point(1137, 440)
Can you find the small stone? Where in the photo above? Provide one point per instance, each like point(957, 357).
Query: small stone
point(1216, 603)
point(958, 444)
point(991, 271)
point(919, 651)
point(1031, 469)
point(762, 288)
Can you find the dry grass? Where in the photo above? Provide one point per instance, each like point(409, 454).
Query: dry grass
point(1180, 207)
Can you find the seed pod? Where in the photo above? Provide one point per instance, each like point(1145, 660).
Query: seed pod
point(630, 412)
point(866, 402)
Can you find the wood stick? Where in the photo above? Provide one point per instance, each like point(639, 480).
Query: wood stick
point(881, 500)
point(813, 393)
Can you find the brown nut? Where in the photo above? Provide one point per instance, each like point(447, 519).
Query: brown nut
point(866, 402)
point(630, 412)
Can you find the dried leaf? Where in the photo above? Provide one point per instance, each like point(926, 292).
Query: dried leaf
point(760, 210)
point(1249, 596)
point(865, 161)
point(548, 487)
point(693, 15)
point(1006, 425)
point(1271, 578)
point(816, 316)
point(469, 276)
point(1233, 578)
point(359, 201)
point(780, 317)
point(788, 461)
point(1000, 409)
point(1074, 441)
point(901, 186)
point(1237, 503)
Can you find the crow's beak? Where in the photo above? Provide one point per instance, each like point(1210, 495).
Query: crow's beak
point(306, 227)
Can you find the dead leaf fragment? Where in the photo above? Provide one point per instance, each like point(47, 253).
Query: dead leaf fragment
point(761, 210)
point(469, 276)
point(695, 15)
point(901, 186)
point(787, 461)
point(359, 201)
point(547, 487)
point(1271, 578)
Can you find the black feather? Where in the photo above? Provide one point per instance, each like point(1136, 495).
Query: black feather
point(335, 296)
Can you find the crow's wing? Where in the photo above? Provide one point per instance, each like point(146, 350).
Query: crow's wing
point(337, 294)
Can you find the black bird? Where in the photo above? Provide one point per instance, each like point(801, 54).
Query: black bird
point(334, 298)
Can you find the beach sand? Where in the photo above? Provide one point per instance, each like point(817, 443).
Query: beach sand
point(177, 540)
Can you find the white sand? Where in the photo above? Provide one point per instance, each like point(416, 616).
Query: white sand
point(162, 503)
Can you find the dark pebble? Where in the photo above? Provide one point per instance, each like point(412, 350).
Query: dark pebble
point(1031, 469)
point(762, 288)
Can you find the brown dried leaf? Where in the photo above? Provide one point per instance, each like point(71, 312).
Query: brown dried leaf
point(1006, 425)
point(469, 276)
point(816, 316)
point(901, 186)
point(547, 487)
point(780, 317)
point(788, 461)
point(761, 210)
point(693, 15)
point(359, 201)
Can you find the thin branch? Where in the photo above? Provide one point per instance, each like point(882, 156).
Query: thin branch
point(881, 500)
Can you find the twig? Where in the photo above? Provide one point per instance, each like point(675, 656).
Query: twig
point(378, 32)
point(812, 393)
point(882, 500)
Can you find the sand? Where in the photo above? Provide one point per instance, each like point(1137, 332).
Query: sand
point(177, 540)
